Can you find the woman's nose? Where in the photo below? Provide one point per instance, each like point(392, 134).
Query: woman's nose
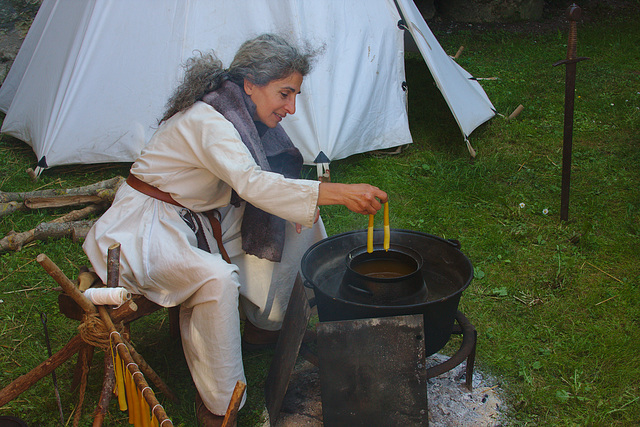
point(290, 106)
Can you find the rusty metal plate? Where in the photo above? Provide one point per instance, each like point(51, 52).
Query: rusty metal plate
point(372, 372)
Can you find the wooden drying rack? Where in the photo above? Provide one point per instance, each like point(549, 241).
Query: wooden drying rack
point(74, 305)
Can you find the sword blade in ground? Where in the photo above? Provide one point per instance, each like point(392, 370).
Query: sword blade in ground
point(573, 14)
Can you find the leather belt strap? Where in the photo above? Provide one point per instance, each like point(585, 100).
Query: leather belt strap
point(156, 193)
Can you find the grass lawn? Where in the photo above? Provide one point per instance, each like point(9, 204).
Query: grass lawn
point(556, 303)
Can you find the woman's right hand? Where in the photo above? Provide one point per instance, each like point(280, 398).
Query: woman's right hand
point(360, 198)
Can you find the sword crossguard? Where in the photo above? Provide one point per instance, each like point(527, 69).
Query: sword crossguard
point(570, 61)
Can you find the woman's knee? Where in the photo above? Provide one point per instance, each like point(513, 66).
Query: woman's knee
point(223, 288)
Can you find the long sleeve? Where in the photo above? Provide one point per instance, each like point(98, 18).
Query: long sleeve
point(198, 157)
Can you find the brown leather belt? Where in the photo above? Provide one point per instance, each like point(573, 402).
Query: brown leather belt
point(156, 193)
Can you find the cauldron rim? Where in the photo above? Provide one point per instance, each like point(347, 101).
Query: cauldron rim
point(450, 242)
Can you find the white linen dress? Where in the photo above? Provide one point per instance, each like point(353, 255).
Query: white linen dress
point(198, 157)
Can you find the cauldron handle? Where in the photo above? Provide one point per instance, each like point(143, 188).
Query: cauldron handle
point(312, 300)
point(360, 290)
point(455, 243)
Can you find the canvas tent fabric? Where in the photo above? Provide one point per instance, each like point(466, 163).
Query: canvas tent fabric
point(465, 97)
point(92, 77)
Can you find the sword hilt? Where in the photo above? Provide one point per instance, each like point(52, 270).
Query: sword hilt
point(573, 15)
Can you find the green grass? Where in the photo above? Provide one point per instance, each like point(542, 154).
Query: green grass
point(556, 303)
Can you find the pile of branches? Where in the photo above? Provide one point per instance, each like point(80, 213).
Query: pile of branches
point(98, 197)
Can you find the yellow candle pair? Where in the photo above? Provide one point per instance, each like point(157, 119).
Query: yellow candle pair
point(387, 231)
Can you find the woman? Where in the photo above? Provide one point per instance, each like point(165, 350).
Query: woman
point(221, 157)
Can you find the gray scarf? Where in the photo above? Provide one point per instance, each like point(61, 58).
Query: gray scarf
point(262, 233)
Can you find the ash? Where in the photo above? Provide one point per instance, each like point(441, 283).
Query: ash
point(451, 404)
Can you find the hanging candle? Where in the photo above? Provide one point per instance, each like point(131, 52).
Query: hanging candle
point(387, 230)
point(370, 235)
point(154, 419)
point(137, 420)
point(145, 413)
point(118, 367)
point(130, 389)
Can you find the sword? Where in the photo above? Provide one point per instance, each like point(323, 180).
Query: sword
point(573, 15)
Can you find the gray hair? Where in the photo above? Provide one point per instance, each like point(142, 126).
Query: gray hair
point(260, 60)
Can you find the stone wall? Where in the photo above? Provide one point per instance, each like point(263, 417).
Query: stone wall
point(482, 10)
point(491, 10)
point(16, 17)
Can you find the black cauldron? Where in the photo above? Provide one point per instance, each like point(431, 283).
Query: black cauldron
point(446, 273)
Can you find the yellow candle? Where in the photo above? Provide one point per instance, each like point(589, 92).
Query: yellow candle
point(130, 387)
point(145, 412)
point(137, 397)
point(122, 398)
point(370, 235)
point(387, 230)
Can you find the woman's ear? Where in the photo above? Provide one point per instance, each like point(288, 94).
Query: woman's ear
point(248, 87)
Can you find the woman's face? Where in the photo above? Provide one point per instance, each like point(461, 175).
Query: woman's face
point(276, 99)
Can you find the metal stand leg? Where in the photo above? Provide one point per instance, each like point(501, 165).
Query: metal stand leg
point(466, 351)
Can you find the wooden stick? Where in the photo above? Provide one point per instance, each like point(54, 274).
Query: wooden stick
point(60, 229)
point(7, 208)
point(61, 201)
point(516, 112)
point(85, 357)
point(15, 241)
point(602, 271)
point(459, 52)
point(75, 229)
point(79, 232)
point(113, 265)
point(84, 360)
point(608, 299)
point(80, 213)
point(108, 383)
point(68, 286)
point(111, 185)
point(234, 405)
point(86, 279)
point(24, 382)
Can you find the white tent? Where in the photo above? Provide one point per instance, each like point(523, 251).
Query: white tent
point(92, 77)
